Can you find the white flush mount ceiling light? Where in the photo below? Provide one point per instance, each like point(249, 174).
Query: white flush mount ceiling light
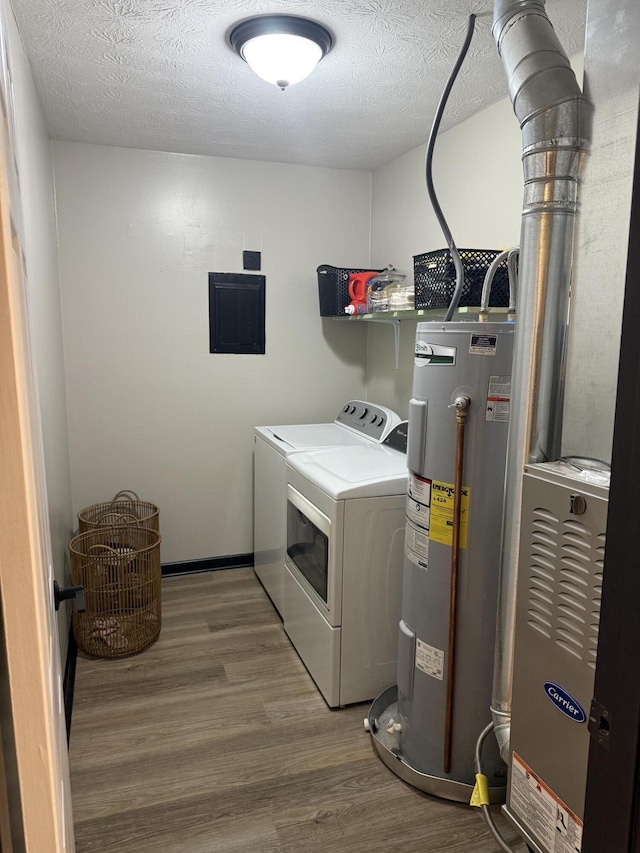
point(281, 49)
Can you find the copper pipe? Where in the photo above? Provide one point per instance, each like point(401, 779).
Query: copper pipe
point(461, 405)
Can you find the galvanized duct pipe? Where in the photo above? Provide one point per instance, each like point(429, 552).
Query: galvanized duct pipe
point(555, 119)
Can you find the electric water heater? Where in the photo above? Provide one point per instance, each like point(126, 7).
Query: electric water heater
point(458, 423)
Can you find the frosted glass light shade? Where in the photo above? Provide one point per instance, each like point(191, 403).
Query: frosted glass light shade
point(281, 58)
point(281, 49)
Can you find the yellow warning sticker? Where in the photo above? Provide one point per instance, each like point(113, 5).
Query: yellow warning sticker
point(441, 515)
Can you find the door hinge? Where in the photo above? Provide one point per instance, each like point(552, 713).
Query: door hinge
point(599, 724)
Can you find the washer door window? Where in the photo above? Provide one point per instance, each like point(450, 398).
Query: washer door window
point(308, 543)
point(308, 550)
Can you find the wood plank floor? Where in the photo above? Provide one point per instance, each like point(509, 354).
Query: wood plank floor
point(215, 740)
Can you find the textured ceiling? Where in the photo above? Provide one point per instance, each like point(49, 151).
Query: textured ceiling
point(158, 74)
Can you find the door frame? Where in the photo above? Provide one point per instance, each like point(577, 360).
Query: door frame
point(612, 809)
point(31, 705)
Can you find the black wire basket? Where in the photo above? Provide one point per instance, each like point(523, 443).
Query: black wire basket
point(333, 289)
point(435, 278)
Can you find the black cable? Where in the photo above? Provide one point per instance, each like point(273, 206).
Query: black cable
point(455, 254)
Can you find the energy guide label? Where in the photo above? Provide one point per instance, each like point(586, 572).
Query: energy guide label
point(416, 545)
point(498, 399)
point(551, 821)
point(429, 659)
point(441, 513)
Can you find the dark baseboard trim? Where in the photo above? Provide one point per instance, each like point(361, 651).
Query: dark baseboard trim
point(69, 680)
point(208, 564)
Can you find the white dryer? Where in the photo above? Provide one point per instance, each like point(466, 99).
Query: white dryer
point(343, 581)
point(357, 423)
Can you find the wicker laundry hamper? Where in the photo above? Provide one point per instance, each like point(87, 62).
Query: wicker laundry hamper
point(119, 568)
point(124, 508)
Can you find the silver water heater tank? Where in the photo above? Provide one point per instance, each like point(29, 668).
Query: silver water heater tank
point(426, 730)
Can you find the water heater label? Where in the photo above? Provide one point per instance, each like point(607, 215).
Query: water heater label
point(483, 344)
point(419, 489)
point(544, 814)
point(429, 660)
point(416, 541)
point(441, 516)
point(418, 513)
point(426, 353)
point(416, 545)
point(419, 501)
point(565, 702)
point(498, 399)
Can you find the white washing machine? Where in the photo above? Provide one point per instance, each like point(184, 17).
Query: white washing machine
point(356, 423)
point(343, 580)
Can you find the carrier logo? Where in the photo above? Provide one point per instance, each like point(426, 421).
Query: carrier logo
point(432, 354)
point(565, 702)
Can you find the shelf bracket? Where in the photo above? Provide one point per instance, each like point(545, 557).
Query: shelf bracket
point(392, 321)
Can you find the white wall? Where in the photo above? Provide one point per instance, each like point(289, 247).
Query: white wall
point(612, 82)
point(149, 408)
point(37, 192)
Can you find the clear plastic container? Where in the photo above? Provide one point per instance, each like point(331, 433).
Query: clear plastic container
point(402, 298)
point(388, 292)
point(378, 299)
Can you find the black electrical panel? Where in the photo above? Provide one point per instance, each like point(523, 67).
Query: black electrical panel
point(236, 313)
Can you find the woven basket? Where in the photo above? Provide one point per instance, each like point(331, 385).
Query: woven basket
point(124, 508)
point(119, 568)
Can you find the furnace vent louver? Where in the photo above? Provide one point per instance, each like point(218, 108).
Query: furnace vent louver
point(542, 571)
point(565, 583)
point(574, 585)
point(595, 611)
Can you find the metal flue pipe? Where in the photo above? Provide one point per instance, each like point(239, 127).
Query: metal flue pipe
point(555, 119)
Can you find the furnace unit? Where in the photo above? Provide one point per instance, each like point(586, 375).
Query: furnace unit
point(562, 541)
